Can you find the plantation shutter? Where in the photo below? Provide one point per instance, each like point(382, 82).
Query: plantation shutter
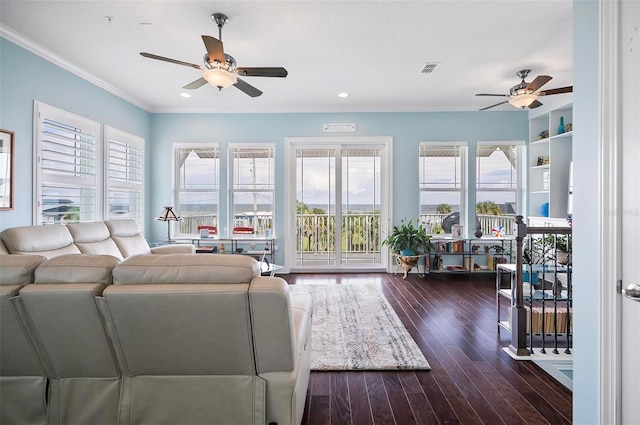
point(66, 166)
point(124, 157)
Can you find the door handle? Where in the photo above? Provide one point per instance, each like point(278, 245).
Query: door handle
point(632, 292)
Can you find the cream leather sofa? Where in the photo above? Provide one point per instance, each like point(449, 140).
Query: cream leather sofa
point(119, 238)
point(23, 383)
point(170, 339)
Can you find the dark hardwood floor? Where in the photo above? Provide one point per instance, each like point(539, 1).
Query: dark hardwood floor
point(471, 381)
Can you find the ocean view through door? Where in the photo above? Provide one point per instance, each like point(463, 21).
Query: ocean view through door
point(339, 196)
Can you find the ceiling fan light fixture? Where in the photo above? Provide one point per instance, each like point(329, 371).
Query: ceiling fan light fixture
point(523, 100)
point(220, 78)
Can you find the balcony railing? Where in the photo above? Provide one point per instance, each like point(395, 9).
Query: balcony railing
point(487, 223)
point(189, 224)
point(360, 231)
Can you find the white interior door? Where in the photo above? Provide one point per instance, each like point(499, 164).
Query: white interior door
point(630, 323)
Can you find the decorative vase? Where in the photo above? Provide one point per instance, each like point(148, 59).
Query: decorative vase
point(478, 233)
point(561, 126)
point(544, 210)
point(407, 252)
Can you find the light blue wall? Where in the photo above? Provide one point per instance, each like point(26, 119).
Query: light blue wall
point(25, 78)
point(406, 129)
point(587, 244)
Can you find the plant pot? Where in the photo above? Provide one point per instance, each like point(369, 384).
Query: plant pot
point(563, 257)
point(407, 252)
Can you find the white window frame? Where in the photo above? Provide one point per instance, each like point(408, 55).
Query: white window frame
point(385, 144)
point(87, 179)
point(131, 150)
point(461, 187)
point(520, 189)
point(269, 189)
point(176, 147)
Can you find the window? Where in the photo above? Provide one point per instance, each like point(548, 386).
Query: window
point(498, 183)
point(124, 165)
point(197, 186)
point(497, 175)
point(66, 167)
point(442, 174)
point(252, 187)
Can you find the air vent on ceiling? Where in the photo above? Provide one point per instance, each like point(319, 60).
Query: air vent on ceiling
point(429, 67)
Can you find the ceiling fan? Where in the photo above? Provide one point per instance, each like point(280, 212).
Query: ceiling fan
point(525, 95)
point(220, 69)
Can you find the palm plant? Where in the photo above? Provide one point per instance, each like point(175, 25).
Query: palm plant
point(408, 238)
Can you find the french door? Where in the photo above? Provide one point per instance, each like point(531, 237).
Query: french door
point(337, 201)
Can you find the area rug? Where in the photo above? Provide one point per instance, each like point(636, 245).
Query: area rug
point(355, 328)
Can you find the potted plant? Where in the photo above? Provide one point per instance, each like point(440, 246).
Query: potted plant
point(563, 249)
point(408, 238)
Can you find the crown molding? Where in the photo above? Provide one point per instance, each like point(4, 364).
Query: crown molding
point(35, 48)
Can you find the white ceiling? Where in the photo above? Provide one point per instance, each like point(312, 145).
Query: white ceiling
point(374, 50)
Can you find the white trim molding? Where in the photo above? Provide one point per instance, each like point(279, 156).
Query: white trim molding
point(610, 204)
point(37, 49)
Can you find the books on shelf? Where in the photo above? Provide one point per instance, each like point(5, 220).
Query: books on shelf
point(449, 246)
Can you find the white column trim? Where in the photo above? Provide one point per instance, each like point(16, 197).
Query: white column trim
point(610, 203)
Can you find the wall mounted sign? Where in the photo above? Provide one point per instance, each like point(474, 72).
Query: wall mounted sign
point(339, 128)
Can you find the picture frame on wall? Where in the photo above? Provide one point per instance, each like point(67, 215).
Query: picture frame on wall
point(6, 169)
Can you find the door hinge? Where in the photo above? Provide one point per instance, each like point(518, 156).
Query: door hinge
point(619, 286)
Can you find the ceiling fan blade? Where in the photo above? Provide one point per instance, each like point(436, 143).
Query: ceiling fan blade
point(540, 81)
point(196, 84)
point(162, 58)
point(247, 88)
point(488, 94)
point(489, 107)
point(214, 48)
point(262, 72)
point(559, 90)
point(534, 104)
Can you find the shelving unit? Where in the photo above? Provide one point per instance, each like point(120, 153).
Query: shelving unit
point(549, 167)
point(549, 297)
point(462, 255)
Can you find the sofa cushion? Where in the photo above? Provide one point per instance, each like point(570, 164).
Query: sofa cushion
point(126, 234)
point(49, 240)
point(77, 268)
point(93, 237)
point(186, 268)
point(182, 329)
point(18, 269)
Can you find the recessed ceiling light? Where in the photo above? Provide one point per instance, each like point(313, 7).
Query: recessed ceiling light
point(185, 95)
point(343, 94)
point(108, 19)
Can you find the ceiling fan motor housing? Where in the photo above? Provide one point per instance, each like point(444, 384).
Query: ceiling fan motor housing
point(229, 65)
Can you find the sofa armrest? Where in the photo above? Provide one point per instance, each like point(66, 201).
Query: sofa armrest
point(174, 249)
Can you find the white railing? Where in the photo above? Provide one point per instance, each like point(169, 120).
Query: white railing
point(487, 223)
point(360, 231)
point(189, 224)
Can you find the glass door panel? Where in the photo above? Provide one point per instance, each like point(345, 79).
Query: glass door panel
point(338, 206)
point(361, 206)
